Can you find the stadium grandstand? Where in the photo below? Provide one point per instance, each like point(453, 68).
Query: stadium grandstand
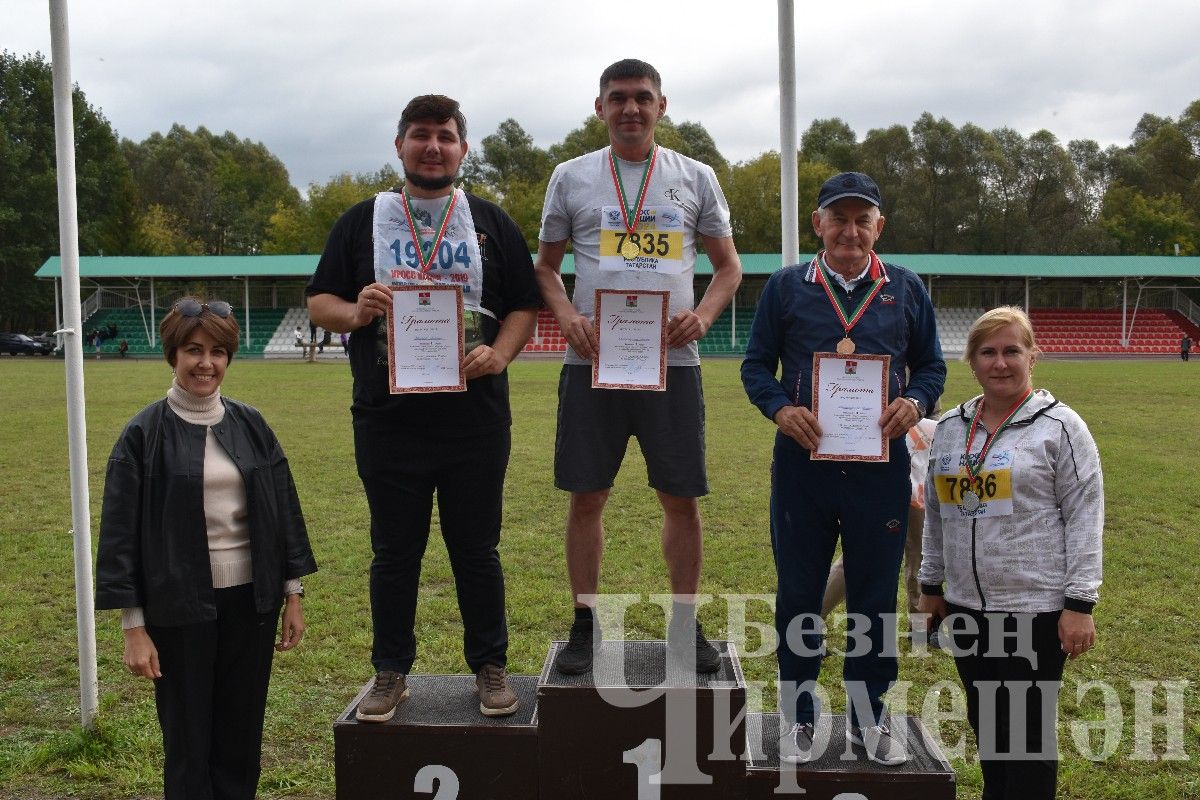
point(1081, 306)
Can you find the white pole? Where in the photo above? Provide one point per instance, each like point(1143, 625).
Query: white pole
point(153, 321)
point(68, 236)
point(1125, 312)
point(789, 215)
point(246, 304)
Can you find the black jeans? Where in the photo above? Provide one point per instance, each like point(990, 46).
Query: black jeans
point(400, 473)
point(211, 699)
point(1001, 681)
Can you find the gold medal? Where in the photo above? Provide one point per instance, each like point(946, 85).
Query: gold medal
point(846, 346)
point(630, 250)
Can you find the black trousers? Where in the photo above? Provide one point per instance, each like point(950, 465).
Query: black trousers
point(211, 699)
point(813, 503)
point(1002, 685)
point(401, 473)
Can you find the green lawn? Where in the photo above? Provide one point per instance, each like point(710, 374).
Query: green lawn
point(1144, 415)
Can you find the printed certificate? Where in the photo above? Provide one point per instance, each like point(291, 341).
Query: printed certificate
point(849, 397)
point(631, 327)
point(425, 339)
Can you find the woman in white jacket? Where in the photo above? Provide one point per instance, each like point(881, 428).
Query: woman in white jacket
point(1012, 552)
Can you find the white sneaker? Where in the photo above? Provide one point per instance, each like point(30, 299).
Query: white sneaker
point(796, 746)
point(880, 743)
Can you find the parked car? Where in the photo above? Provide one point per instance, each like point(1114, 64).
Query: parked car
point(17, 343)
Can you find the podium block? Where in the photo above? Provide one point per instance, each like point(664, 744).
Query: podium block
point(439, 741)
point(843, 770)
point(641, 725)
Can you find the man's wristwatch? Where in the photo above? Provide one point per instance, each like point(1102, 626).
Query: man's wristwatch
point(920, 406)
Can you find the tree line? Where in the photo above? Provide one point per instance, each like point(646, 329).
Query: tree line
point(946, 188)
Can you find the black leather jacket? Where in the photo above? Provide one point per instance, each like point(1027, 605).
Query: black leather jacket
point(153, 538)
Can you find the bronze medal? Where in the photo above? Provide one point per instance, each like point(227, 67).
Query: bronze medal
point(846, 346)
point(630, 250)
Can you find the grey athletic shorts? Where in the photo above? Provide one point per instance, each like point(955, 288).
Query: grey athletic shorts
point(594, 426)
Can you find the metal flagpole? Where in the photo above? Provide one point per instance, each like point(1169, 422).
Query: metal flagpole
point(68, 236)
point(789, 216)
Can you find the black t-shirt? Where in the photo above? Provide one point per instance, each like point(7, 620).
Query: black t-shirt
point(347, 265)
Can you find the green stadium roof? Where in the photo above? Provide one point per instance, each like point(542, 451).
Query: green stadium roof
point(94, 267)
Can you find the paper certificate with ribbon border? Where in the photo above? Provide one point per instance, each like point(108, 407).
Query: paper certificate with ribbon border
point(631, 329)
point(425, 339)
point(849, 395)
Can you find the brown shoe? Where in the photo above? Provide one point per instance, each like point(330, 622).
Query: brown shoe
point(495, 698)
point(388, 691)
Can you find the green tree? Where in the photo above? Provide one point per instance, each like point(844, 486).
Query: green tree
point(697, 143)
point(937, 188)
point(752, 190)
point(161, 233)
point(509, 169)
point(29, 193)
point(507, 155)
point(833, 142)
point(304, 226)
point(592, 135)
point(1144, 225)
point(887, 155)
point(223, 189)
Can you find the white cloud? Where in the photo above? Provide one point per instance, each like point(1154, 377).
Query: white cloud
point(321, 84)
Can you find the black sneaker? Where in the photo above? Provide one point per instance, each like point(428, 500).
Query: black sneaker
point(576, 657)
point(707, 658)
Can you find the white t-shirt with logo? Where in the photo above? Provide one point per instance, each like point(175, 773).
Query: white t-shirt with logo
point(682, 199)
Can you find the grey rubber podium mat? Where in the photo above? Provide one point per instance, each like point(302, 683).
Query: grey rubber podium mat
point(644, 664)
point(763, 730)
point(451, 700)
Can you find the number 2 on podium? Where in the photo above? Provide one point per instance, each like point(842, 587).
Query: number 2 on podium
point(447, 788)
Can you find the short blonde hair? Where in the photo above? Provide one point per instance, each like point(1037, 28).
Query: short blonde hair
point(175, 329)
point(991, 321)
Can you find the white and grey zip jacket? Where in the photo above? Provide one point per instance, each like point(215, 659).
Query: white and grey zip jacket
point(1046, 555)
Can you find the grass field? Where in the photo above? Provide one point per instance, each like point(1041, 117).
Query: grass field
point(1144, 415)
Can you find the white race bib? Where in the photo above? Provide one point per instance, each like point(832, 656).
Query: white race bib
point(993, 486)
point(457, 260)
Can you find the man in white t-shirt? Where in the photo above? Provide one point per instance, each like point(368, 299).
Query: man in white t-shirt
point(634, 192)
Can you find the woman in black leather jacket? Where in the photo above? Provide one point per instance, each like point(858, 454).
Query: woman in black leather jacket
point(201, 543)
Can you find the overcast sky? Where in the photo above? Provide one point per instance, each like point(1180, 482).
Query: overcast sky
point(321, 84)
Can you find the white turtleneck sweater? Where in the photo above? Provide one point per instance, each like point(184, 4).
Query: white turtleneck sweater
point(225, 514)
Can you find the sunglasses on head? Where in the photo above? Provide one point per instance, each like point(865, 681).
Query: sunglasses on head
point(191, 307)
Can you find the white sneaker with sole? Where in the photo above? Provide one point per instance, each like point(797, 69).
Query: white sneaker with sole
point(881, 744)
point(796, 746)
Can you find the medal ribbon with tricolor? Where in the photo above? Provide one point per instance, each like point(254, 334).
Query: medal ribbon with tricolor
point(427, 263)
point(973, 470)
point(849, 321)
point(630, 215)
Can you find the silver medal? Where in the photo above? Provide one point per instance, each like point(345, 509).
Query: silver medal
point(970, 502)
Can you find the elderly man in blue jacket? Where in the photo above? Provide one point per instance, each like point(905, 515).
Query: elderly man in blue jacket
point(846, 300)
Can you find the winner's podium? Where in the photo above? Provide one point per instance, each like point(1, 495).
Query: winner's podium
point(439, 741)
point(639, 712)
point(640, 726)
point(842, 770)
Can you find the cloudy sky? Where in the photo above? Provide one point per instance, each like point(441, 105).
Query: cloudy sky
point(322, 83)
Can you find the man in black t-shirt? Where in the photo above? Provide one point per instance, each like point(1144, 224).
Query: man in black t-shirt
point(409, 446)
